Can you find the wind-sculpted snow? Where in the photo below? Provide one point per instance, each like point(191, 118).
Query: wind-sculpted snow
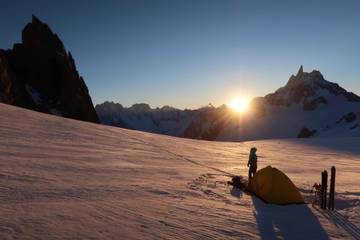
point(66, 179)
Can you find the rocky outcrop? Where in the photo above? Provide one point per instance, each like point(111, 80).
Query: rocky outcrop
point(39, 74)
point(349, 117)
point(354, 126)
point(313, 104)
point(306, 133)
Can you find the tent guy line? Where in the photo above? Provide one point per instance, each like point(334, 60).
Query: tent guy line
point(179, 156)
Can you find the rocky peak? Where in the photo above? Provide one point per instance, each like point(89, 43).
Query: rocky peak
point(109, 106)
point(40, 75)
point(140, 107)
point(300, 71)
point(38, 35)
point(304, 78)
point(305, 88)
point(168, 108)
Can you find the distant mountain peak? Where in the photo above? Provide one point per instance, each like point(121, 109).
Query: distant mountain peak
point(301, 71)
point(168, 108)
point(140, 107)
point(304, 78)
point(306, 88)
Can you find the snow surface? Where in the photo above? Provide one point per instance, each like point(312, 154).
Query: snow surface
point(67, 179)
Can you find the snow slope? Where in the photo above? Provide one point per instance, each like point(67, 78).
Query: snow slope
point(66, 179)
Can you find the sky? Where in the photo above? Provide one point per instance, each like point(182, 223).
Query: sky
point(188, 54)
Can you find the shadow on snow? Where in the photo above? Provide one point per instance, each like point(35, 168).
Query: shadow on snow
point(287, 222)
point(284, 222)
point(340, 221)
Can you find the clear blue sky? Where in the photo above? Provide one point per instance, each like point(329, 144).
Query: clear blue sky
point(191, 53)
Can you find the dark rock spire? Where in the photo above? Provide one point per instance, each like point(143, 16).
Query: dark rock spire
point(39, 74)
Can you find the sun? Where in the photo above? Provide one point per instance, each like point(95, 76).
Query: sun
point(239, 104)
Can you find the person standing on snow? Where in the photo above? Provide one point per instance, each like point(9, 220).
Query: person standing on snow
point(252, 163)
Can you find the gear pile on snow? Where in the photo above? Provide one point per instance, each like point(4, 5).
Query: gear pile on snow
point(239, 182)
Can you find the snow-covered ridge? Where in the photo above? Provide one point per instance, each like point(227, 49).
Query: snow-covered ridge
point(166, 120)
point(307, 106)
point(307, 88)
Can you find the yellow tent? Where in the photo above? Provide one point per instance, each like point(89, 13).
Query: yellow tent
point(273, 186)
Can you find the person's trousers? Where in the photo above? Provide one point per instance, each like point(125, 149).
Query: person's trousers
point(252, 171)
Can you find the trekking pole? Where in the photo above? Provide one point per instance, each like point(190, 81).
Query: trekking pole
point(325, 187)
point(331, 205)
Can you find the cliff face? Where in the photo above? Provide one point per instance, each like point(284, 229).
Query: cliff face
point(39, 74)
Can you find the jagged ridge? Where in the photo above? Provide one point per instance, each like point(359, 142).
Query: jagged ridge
point(304, 88)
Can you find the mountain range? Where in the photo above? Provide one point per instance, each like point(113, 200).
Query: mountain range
point(39, 74)
point(307, 106)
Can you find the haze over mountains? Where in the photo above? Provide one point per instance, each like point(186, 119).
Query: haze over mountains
point(306, 106)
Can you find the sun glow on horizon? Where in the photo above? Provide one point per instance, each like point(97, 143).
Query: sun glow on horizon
point(239, 104)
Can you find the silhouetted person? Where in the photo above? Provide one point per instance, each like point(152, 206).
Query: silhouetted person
point(252, 163)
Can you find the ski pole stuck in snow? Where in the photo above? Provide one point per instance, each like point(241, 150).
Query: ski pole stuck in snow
point(324, 176)
point(331, 204)
point(327, 203)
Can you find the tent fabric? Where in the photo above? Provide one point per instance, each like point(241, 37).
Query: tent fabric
point(273, 186)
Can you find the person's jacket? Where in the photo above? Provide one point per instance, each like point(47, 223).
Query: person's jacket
point(252, 159)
